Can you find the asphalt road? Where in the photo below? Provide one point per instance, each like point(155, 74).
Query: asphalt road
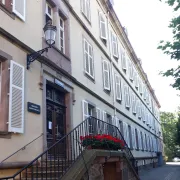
point(171, 171)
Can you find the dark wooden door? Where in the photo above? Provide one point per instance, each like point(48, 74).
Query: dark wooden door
point(56, 126)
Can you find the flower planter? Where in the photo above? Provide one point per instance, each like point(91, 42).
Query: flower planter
point(103, 142)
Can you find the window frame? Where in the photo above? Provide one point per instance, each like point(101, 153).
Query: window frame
point(103, 17)
point(91, 56)
point(127, 96)
point(63, 30)
point(118, 85)
point(46, 12)
point(85, 11)
point(108, 72)
point(114, 45)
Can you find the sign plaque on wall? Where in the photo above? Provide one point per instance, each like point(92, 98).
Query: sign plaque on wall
point(34, 108)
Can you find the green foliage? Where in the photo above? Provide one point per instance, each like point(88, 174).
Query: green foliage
point(169, 121)
point(173, 48)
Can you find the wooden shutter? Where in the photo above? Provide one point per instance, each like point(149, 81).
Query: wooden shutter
point(127, 96)
point(124, 65)
point(19, 8)
point(102, 22)
point(86, 55)
point(134, 103)
point(98, 113)
point(106, 75)
point(16, 98)
point(114, 43)
point(131, 74)
point(85, 110)
point(118, 87)
point(91, 61)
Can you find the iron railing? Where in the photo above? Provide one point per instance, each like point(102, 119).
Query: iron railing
point(58, 159)
point(21, 149)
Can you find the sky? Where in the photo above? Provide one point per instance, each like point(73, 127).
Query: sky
point(147, 23)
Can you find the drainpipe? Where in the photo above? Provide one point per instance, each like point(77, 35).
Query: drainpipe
point(111, 64)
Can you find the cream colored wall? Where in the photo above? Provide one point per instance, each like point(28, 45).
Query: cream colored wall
point(29, 32)
point(33, 123)
point(93, 26)
point(77, 58)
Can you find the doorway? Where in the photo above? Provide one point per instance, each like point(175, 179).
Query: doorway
point(55, 120)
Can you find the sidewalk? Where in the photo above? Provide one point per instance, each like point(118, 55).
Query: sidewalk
point(171, 171)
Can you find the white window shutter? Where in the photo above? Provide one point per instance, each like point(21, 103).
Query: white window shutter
point(98, 114)
point(127, 96)
point(19, 8)
point(134, 103)
point(104, 116)
point(126, 133)
point(106, 75)
point(131, 75)
point(16, 98)
point(85, 110)
point(136, 80)
point(114, 44)
point(140, 86)
point(118, 87)
point(124, 64)
point(102, 22)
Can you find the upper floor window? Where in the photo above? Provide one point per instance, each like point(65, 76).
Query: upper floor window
point(49, 13)
point(131, 70)
point(134, 101)
point(103, 28)
point(88, 59)
point(140, 87)
point(118, 87)
point(106, 75)
point(62, 41)
point(136, 80)
point(85, 7)
point(127, 96)
point(114, 44)
point(123, 60)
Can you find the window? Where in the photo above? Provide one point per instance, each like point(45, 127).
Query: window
point(103, 29)
point(134, 141)
point(126, 133)
point(88, 58)
point(134, 100)
point(19, 8)
point(106, 75)
point(49, 13)
point(123, 59)
point(130, 137)
point(114, 44)
point(131, 72)
point(144, 92)
point(136, 80)
point(139, 109)
point(127, 96)
point(137, 139)
point(142, 140)
point(146, 143)
point(85, 8)
point(62, 40)
point(140, 87)
point(118, 87)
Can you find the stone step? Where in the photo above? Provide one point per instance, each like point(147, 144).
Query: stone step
point(43, 174)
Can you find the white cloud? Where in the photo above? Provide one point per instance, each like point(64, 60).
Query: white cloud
point(147, 23)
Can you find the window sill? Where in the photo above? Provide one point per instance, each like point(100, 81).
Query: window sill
point(89, 77)
point(5, 135)
point(104, 41)
point(89, 22)
point(54, 47)
point(108, 92)
point(9, 13)
point(128, 108)
point(119, 101)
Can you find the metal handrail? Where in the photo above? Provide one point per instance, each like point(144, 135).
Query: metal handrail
point(20, 149)
point(58, 166)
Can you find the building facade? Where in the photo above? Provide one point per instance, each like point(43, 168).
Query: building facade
point(114, 87)
point(92, 70)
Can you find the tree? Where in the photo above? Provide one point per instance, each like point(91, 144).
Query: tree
point(178, 130)
point(168, 121)
point(173, 48)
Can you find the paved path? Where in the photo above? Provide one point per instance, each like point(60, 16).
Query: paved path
point(171, 171)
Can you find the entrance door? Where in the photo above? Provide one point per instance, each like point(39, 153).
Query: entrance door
point(55, 113)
